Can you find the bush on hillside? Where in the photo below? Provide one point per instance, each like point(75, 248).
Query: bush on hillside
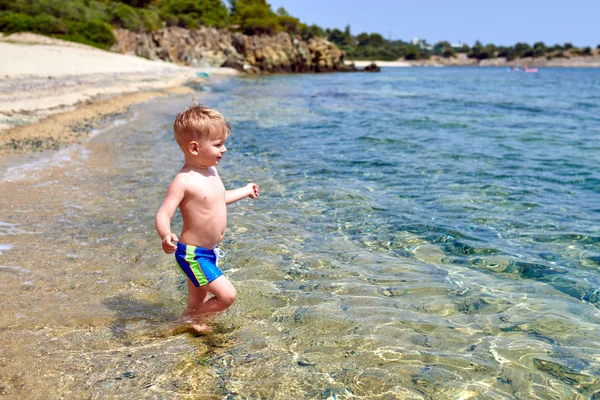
point(151, 20)
point(194, 13)
point(127, 17)
point(97, 33)
point(312, 31)
point(507, 52)
point(481, 52)
point(412, 52)
point(539, 49)
point(11, 22)
point(586, 51)
point(291, 25)
point(464, 49)
point(341, 38)
point(78, 20)
point(136, 3)
point(449, 52)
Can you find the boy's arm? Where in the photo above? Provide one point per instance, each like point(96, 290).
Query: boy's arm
point(174, 196)
point(250, 190)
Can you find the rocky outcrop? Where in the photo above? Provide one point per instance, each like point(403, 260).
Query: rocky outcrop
point(371, 68)
point(210, 47)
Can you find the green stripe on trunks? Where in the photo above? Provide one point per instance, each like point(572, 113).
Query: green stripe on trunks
point(190, 257)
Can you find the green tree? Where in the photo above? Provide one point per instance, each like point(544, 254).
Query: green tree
point(342, 39)
point(586, 51)
point(254, 17)
point(193, 13)
point(363, 39)
point(444, 49)
point(476, 50)
point(412, 52)
point(522, 49)
point(376, 39)
point(136, 3)
point(539, 49)
point(290, 24)
point(449, 52)
point(464, 49)
point(309, 32)
point(481, 52)
point(78, 20)
point(125, 16)
point(507, 52)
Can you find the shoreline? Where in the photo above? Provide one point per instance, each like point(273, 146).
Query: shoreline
point(53, 92)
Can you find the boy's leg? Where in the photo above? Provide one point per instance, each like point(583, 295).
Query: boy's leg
point(224, 296)
point(197, 296)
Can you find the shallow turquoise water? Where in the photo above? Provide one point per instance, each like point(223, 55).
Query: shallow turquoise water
point(421, 233)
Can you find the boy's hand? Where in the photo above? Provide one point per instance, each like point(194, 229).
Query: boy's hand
point(167, 243)
point(253, 190)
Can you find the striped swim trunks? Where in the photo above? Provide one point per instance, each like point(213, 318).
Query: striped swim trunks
point(199, 265)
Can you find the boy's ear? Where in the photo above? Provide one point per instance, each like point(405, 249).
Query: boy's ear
point(193, 147)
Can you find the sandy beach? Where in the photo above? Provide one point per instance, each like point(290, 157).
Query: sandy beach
point(52, 91)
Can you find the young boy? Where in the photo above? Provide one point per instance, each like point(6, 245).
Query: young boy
point(201, 197)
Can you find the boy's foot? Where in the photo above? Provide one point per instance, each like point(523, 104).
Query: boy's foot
point(200, 328)
point(196, 325)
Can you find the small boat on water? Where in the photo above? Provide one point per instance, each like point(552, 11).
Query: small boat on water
point(524, 69)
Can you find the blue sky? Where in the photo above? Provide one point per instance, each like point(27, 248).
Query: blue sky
point(502, 22)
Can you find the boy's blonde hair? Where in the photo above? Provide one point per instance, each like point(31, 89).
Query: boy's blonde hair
point(200, 123)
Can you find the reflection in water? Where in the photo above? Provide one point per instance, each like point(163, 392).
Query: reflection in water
point(422, 256)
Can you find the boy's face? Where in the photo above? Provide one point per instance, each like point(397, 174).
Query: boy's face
point(210, 152)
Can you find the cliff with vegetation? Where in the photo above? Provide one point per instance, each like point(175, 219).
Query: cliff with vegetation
point(247, 35)
point(214, 47)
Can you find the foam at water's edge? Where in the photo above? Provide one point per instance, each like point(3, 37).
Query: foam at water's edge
point(26, 167)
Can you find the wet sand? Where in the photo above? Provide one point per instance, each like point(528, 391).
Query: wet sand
point(53, 92)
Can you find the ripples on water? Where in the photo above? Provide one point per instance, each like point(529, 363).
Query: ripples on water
point(421, 233)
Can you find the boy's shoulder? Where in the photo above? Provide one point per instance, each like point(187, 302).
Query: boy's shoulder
point(187, 176)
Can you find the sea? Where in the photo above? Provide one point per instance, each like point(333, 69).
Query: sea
point(421, 233)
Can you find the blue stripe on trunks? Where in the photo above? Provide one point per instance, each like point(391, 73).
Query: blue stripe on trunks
point(199, 265)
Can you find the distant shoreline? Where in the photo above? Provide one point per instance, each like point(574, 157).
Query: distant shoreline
point(362, 64)
point(463, 61)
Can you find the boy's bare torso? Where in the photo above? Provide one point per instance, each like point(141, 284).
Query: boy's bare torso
point(203, 208)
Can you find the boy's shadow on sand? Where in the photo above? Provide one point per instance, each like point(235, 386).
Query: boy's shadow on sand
point(134, 317)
